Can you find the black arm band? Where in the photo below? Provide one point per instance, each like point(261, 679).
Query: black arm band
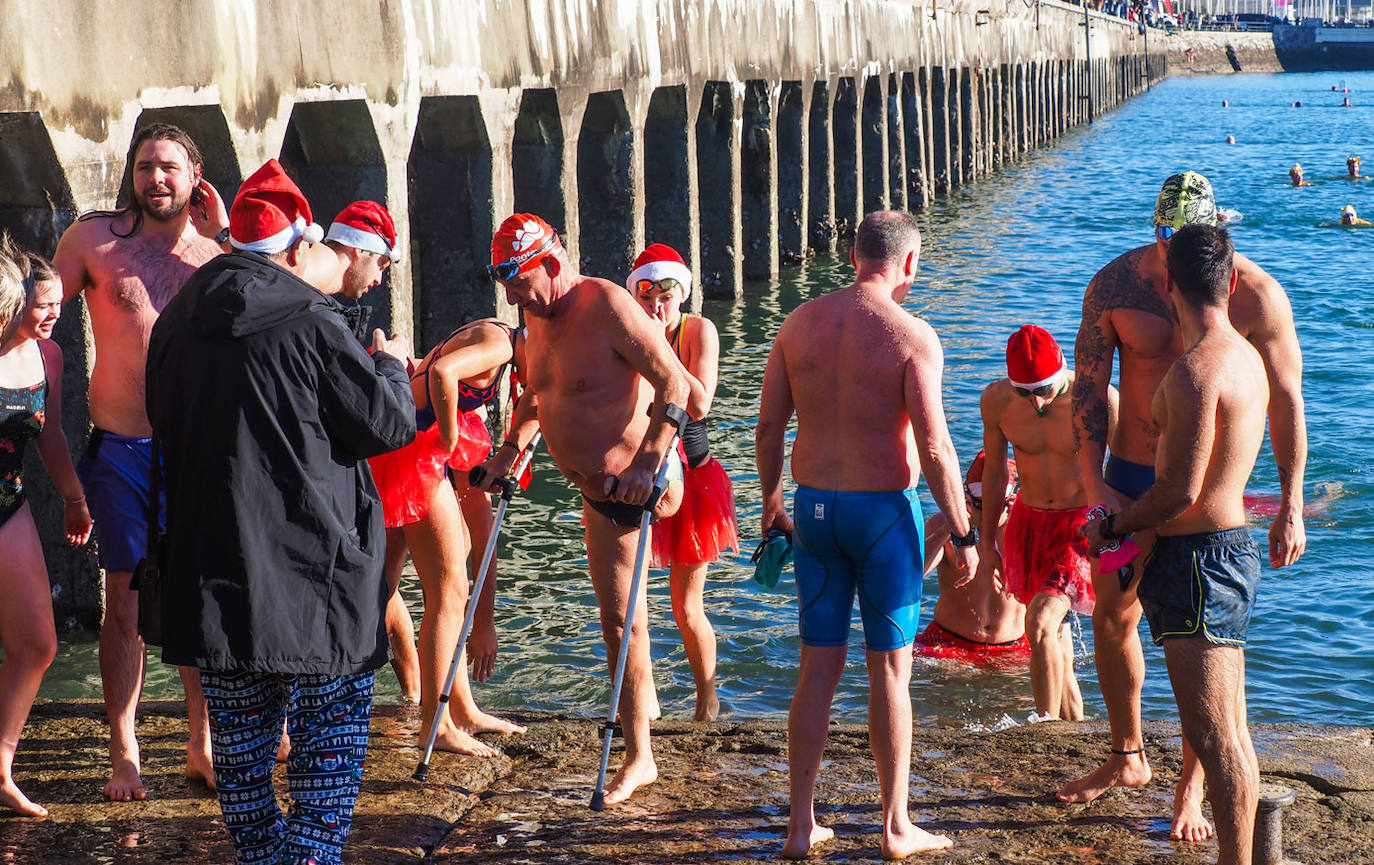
point(967, 540)
point(677, 416)
point(1108, 528)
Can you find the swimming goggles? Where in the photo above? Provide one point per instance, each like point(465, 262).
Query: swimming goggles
point(647, 288)
point(1043, 390)
point(1164, 232)
point(509, 269)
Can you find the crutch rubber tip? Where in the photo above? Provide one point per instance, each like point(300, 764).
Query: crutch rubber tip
point(599, 801)
point(421, 773)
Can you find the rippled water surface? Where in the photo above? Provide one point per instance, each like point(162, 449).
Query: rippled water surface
point(1019, 247)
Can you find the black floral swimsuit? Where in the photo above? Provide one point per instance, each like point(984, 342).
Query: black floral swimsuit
point(21, 419)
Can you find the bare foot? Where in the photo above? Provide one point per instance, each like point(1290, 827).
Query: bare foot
point(801, 840)
point(12, 798)
point(707, 709)
point(125, 785)
point(631, 777)
point(481, 722)
point(914, 840)
point(1189, 824)
point(457, 742)
point(1118, 771)
point(199, 767)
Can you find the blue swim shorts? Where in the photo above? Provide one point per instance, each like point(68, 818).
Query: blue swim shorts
point(1128, 478)
point(1201, 585)
point(115, 474)
point(869, 544)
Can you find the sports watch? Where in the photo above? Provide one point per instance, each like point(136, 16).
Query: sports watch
point(968, 540)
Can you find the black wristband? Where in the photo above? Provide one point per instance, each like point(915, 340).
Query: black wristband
point(967, 540)
point(509, 444)
point(677, 416)
point(1108, 528)
point(222, 236)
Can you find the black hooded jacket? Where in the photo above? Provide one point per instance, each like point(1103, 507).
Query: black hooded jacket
point(266, 408)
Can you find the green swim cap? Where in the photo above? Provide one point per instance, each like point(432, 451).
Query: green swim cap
point(1185, 199)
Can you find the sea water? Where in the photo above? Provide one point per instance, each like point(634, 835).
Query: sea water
point(1017, 247)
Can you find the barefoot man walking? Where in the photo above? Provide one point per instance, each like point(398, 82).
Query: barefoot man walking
point(1198, 587)
point(607, 392)
point(862, 376)
point(128, 264)
point(1126, 310)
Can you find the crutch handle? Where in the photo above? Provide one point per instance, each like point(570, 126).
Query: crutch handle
point(508, 485)
point(613, 483)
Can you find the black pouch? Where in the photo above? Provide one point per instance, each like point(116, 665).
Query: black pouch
point(147, 578)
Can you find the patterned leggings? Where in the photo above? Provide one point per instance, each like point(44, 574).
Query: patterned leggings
point(327, 719)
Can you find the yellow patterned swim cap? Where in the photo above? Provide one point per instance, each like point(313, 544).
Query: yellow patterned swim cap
point(1185, 199)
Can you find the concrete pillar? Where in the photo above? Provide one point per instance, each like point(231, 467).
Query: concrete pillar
point(896, 158)
point(914, 142)
point(792, 147)
point(971, 124)
point(988, 106)
point(998, 114)
point(605, 152)
point(537, 158)
point(955, 106)
point(1020, 98)
point(449, 177)
point(669, 209)
point(845, 125)
point(1007, 149)
point(820, 177)
point(758, 195)
point(332, 151)
point(36, 206)
point(718, 186)
point(873, 146)
point(939, 124)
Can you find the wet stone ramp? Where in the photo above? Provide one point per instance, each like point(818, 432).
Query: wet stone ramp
point(721, 797)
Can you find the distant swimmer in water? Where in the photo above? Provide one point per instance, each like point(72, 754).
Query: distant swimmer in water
point(1297, 104)
point(974, 621)
point(1225, 103)
point(1295, 176)
point(1346, 103)
point(1352, 168)
point(1351, 218)
point(1229, 215)
point(1230, 139)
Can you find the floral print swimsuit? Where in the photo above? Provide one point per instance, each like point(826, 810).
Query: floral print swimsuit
point(21, 419)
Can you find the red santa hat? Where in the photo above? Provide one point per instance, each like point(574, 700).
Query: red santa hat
point(973, 481)
point(270, 213)
point(366, 225)
point(1033, 358)
point(660, 261)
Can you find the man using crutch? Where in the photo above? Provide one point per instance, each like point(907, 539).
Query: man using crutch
point(607, 392)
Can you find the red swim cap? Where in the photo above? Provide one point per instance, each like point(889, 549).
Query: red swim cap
point(523, 240)
point(974, 478)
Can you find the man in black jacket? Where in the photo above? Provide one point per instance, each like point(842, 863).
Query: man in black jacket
point(266, 408)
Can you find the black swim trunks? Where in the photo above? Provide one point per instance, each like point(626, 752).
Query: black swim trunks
point(626, 516)
point(1201, 585)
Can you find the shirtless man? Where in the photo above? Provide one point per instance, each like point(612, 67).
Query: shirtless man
point(607, 391)
point(360, 246)
point(1126, 309)
point(1198, 587)
point(863, 377)
point(128, 264)
point(1044, 562)
point(974, 620)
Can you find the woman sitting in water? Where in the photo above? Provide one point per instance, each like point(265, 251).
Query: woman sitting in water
point(30, 410)
point(422, 511)
point(1351, 218)
point(705, 524)
point(1295, 176)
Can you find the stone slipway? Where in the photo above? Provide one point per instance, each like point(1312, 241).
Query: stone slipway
point(722, 797)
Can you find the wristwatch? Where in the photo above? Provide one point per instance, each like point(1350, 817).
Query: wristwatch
point(222, 236)
point(967, 540)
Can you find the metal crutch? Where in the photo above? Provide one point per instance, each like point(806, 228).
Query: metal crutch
point(509, 486)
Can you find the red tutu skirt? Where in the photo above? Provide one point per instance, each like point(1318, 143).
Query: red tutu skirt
point(705, 524)
point(1042, 552)
point(936, 642)
point(407, 477)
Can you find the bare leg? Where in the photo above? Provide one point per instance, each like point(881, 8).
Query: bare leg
point(889, 734)
point(121, 678)
point(1071, 698)
point(808, 725)
point(477, 516)
point(610, 559)
point(1044, 616)
point(400, 627)
point(1121, 673)
point(1188, 823)
point(438, 545)
point(687, 585)
point(30, 642)
point(199, 764)
point(1209, 683)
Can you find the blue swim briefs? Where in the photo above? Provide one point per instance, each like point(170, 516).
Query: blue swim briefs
point(1201, 585)
point(869, 544)
point(115, 474)
point(1128, 478)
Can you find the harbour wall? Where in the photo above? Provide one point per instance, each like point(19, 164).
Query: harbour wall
point(748, 134)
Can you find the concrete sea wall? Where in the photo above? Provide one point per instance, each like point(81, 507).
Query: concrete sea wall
point(749, 134)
